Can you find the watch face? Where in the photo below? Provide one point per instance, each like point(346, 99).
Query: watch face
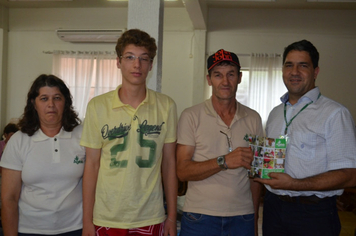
point(221, 160)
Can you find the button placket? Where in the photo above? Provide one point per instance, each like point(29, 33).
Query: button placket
point(56, 155)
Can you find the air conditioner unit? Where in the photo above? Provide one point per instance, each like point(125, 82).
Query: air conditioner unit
point(89, 36)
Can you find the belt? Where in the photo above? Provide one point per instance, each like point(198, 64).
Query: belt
point(302, 199)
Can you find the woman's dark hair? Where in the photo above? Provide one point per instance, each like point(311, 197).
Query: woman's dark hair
point(303, 45)
point(11, 128)
point(30, 122)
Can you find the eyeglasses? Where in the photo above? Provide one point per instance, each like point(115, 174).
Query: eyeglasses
point(229, 143)
point(132, 58)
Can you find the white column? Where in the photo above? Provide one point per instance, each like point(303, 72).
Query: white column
point(200, 85)
point(147, 15)
point(198, 13)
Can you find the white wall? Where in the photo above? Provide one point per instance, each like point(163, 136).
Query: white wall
point(270, 31)
point(4, 13)
point(32, 31)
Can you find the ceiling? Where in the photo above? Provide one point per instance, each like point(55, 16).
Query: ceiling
point(277, 4)
point(285, 4)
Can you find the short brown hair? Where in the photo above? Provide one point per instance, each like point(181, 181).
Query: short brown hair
point(138, 38)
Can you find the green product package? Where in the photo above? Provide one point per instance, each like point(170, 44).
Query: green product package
point(269, 155)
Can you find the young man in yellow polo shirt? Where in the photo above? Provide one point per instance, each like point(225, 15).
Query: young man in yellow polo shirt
point(130, 140)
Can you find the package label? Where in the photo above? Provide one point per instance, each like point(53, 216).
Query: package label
point(269, 155)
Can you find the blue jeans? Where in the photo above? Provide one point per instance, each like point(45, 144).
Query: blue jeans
point(193, 224)
point(282, 218)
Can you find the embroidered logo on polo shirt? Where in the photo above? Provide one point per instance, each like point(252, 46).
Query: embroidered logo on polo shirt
point(78, 160)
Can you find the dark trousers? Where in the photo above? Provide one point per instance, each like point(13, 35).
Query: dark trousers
point(300, 216)
point(72, 233)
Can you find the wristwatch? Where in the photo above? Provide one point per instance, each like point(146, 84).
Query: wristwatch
point(221, 162)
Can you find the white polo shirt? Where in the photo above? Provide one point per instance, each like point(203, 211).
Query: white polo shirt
point(51, 171)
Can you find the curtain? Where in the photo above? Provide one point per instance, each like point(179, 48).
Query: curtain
point(87, 74)
point(266, 83)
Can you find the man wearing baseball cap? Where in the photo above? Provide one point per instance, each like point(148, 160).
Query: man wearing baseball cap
point(213, 157)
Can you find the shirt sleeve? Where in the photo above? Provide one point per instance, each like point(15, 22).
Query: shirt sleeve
point(186, 129)
point(91, 133)
point(11, 158)
point(171, 123)
point(341, 141)
point(259, 127)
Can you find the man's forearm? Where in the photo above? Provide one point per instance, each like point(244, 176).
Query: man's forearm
point(331, 180)
point(90, 177)
point(170, 180)
point(256, 189)
point(170, 183)
point(195, 171)
point(88, 200)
